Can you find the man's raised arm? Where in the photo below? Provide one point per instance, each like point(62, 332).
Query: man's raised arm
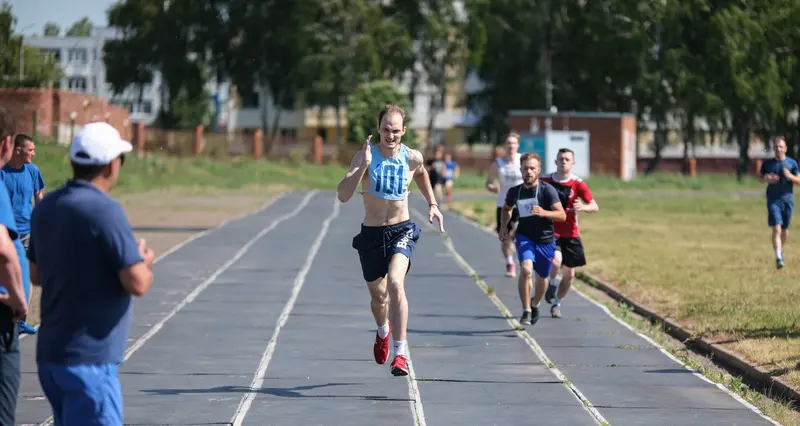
point(358, 166)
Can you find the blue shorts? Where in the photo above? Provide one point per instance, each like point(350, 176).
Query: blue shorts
point(377, 244)
point(779, 212)
point(83, 394)
point(540, 254)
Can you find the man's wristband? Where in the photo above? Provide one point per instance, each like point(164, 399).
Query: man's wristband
point(434, 204)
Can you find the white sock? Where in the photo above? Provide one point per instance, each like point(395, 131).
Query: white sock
point(383, 330)
point(536, 305)
point(779, 253)
point(400, 347)
point(509, 260)
point(556, 301)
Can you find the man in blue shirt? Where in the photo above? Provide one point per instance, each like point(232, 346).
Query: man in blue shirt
point(780, 174)
point(25, 184)
point(12, 296)
point(84, 256)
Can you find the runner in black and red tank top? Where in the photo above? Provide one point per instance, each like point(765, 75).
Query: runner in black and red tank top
point(575, 197)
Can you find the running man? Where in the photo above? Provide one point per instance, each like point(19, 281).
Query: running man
point(388, 236)
point(25, 186)
point(451, 174)
point(575, 197)
point(538, 206)
point(505, 171)
point(436, 170)
point(89, 266)
point(780, 174)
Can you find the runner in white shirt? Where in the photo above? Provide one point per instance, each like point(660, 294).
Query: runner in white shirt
point(504, 173)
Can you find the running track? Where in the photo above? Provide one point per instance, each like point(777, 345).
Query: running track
point(265, 321)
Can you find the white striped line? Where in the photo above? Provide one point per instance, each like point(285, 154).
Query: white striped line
point(694, 371)
point(199, 289)
point(587, 405)
point(193, 237)
point(413, 392)
point(258, 379)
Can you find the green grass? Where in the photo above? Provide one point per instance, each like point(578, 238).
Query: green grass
point(158, 171)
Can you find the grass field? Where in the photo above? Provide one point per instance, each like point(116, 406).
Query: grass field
point(704, 261)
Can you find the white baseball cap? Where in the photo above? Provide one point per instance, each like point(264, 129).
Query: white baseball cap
point(97, 144)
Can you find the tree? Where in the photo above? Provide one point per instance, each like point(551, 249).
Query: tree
point(51, 29)
point(352, 42)
point(168, 37)
point(364, 104)
point(23, 66)
point(81, 28)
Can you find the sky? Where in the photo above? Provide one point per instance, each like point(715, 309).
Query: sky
point(33, 14)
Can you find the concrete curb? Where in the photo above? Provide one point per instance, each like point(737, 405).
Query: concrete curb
point(773, 386)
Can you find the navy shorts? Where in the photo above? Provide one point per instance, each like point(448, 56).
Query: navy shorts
point(82, 394)
point(779, 212)
point(377, 244)
point(541, 254)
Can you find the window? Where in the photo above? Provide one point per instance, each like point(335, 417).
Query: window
point(78, 56)
point(77, 84)
point(250, 100)
point(53, 53)
point(289, 133)
point(146, 107)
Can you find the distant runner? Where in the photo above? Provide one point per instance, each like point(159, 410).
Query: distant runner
point(573, 192)
point(436, 170)
point(780, 174)
point(388, 236)
point(451, 174)
point(505, 170)
point(538, 206)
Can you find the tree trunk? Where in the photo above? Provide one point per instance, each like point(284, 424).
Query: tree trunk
point(660, 141)
point(743, 139)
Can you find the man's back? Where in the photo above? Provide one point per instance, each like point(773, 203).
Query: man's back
point(80, 241)
point(784, 187)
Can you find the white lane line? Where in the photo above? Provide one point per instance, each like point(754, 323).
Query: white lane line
point(199, 289)
point(694, 371)
point(413, 392)
point(587, 405)
point(258, 378)
point(193, 237)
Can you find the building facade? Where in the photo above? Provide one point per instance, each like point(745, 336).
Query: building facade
point(81, 59)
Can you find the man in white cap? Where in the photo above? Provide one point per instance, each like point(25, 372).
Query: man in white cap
point(86, 260)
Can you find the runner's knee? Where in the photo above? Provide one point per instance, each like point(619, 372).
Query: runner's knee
point(526, 269)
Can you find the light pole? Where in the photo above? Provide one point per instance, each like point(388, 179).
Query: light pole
point(21, 54)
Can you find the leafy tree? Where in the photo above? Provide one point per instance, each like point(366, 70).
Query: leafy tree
point(81, 28)
point(37, 69)
point(51, 29)
point(364, 104)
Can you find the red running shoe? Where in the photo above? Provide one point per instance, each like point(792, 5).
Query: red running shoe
point(400, 366)
point(381, 347)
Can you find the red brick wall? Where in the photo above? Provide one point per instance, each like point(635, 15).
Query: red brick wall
point(605, 136)
point(54, 109)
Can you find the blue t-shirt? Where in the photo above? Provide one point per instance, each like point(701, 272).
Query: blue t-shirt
point(21, 185)
point(7, 220)
point(450, 166)
point(80, 241)
point(784, 188)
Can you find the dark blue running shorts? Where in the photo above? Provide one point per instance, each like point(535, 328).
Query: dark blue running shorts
point(377, 244)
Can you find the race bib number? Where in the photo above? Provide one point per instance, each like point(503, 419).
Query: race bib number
point(526, 206)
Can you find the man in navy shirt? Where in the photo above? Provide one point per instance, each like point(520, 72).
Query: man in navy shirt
point(780, 174)
point(84, 256)
point(538, 205)
point(12, 296)
point(25, 184)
